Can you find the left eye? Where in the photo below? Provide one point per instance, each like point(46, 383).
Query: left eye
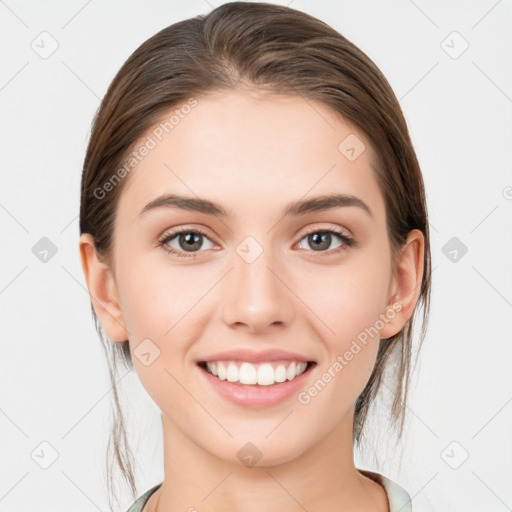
point(321, 240)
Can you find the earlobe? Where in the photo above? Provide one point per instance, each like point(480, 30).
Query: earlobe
point(102, 290)
point(407, 284)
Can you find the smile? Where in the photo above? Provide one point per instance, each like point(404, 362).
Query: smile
point(272, 391)
point(264, 374)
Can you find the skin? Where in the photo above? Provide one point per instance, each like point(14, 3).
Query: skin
point(293, 297)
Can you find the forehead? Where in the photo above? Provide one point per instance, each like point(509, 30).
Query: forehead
point(248, 150)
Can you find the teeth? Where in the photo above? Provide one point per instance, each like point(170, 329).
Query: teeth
point(264, 374)
point(247, 374)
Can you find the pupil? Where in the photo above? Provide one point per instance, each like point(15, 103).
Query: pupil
point(192, 239)
point(318, 239)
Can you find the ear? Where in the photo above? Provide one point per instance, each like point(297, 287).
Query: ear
point(405, 285)
point(102, 290)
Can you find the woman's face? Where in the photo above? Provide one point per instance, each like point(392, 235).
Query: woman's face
point(258, 278)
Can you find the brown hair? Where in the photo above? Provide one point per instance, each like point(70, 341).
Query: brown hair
point(274, 48)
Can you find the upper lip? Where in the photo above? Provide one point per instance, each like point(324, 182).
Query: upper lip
point(255, 357)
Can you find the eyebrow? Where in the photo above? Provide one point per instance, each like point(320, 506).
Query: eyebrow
point(295, 208)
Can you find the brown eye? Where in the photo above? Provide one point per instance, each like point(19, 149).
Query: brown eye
point(185, 241)
point(321, 240)
point(190, 241)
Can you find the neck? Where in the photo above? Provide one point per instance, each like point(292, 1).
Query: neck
point(323, 479)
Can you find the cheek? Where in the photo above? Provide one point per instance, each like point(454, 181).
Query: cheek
point(156, 310)
point(348, 300)
point(160, 310)
point(154, 299)
point(351, 343)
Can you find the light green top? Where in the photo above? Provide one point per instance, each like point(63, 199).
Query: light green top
point(399, 499)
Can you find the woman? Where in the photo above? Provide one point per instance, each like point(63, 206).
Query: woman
point(254, 237)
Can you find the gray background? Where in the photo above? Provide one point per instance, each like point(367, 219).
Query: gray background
point(54, 388)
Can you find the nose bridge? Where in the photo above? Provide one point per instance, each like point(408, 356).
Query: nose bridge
point(256, 295)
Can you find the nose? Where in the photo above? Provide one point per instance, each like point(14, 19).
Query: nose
point(257, 296)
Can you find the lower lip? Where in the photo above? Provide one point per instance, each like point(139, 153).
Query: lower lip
point(256, 395)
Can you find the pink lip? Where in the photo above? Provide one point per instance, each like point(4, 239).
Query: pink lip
point(255, 395)
point(255, 357)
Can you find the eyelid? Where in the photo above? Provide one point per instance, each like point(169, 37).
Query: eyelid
point(312, 229)
point(320, 227)
point(184, 228)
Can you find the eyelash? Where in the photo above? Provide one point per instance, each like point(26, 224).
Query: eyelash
point(348, 241)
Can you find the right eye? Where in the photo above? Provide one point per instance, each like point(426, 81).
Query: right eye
point(188, 241)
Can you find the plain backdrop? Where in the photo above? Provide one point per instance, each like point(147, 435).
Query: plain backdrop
point(450, 65)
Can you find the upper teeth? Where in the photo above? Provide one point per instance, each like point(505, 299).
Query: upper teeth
point(264, 374)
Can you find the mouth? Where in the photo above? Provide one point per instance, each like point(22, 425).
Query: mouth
point(243, 373)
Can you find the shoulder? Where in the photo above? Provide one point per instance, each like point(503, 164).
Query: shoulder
point(143, 499)
point(398, 497)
